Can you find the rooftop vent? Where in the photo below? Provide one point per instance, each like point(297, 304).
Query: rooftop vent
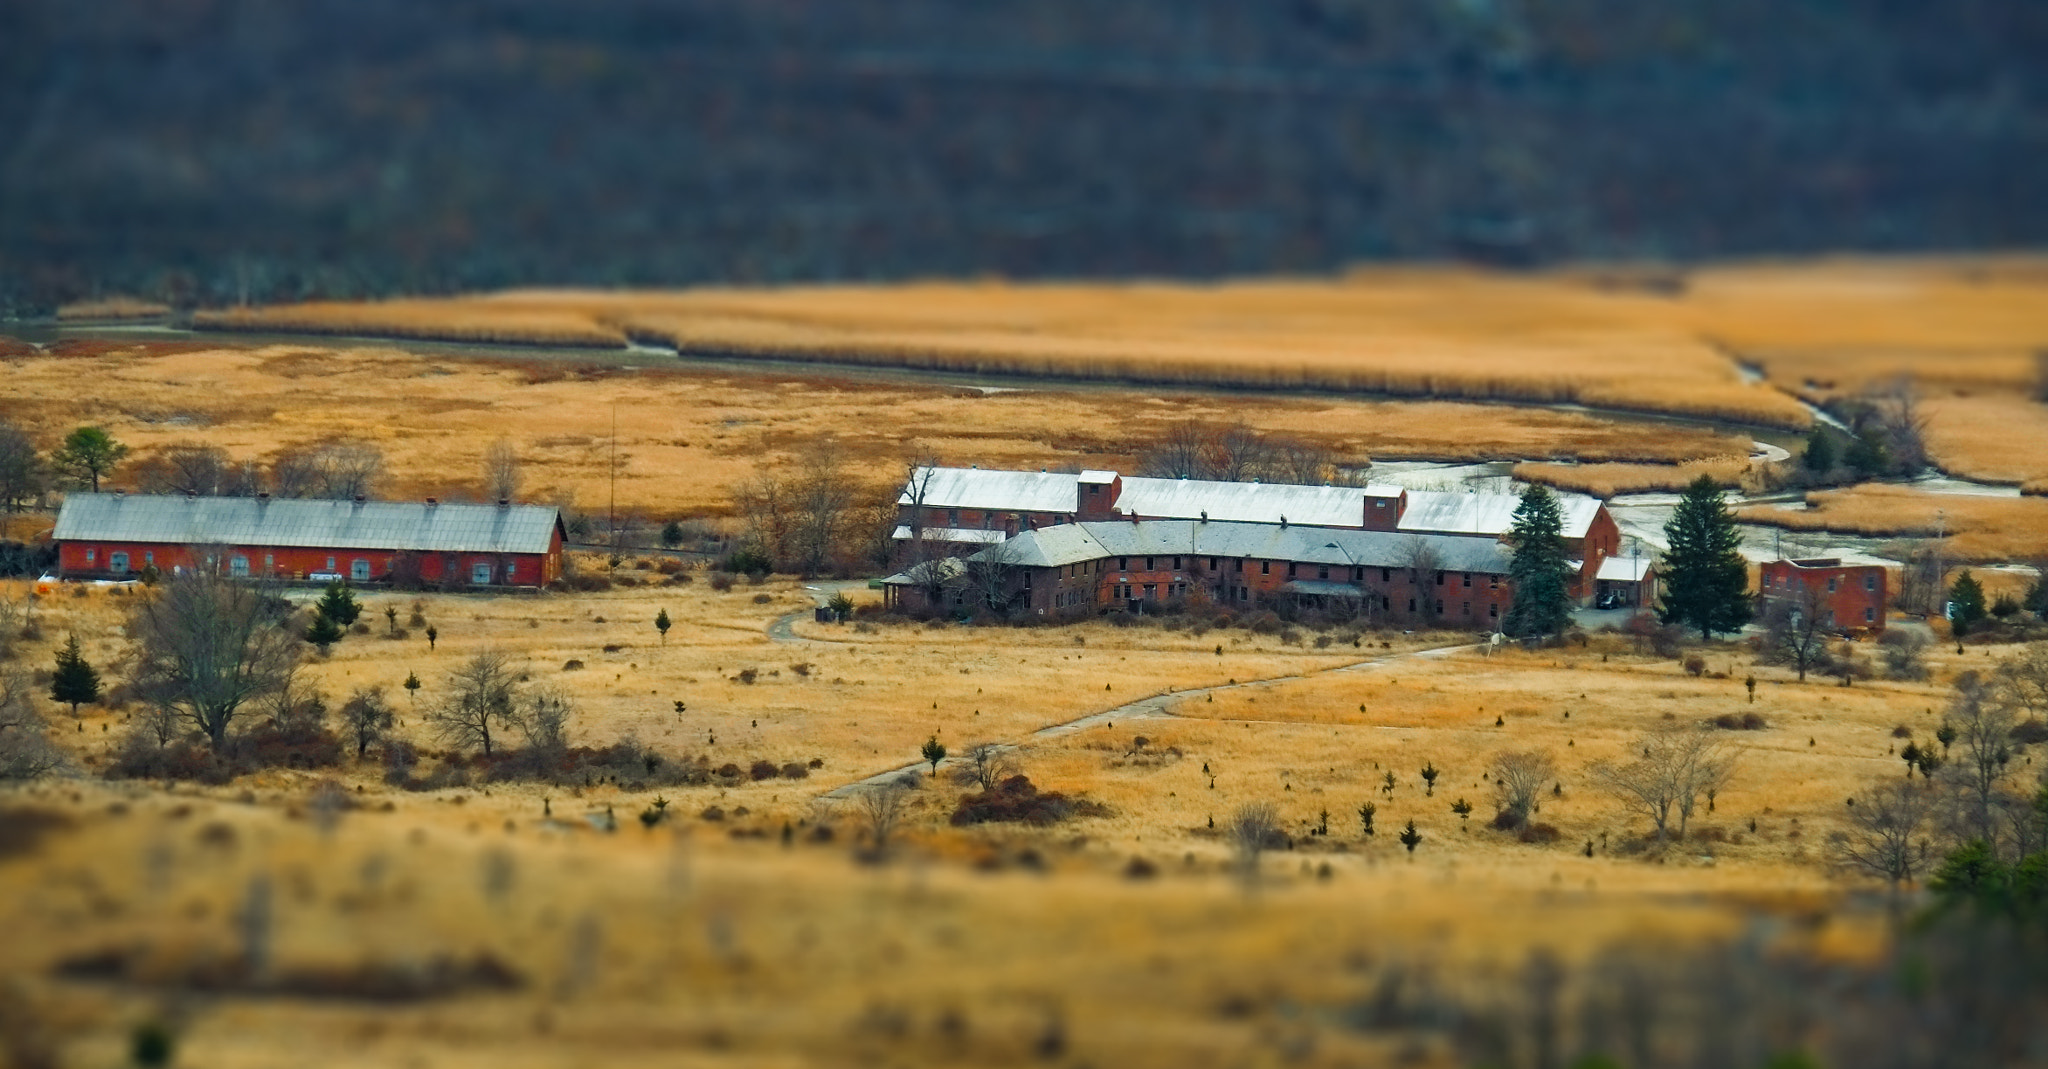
point(262, 495)
point(360, 499)
point(504, 502)
point(431, 502)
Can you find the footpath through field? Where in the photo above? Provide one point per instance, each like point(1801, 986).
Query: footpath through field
point(1159, 707)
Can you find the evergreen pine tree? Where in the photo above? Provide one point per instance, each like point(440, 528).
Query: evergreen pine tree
point(75, 681)
point(1867, 455)
point(661, 624)
point(1538, 569)
point(338, 604)
point(1965, 603)
point(1819, 457)
point(1706, 582)
point(324, 632)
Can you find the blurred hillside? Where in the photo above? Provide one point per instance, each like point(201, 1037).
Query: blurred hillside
point(201, 151)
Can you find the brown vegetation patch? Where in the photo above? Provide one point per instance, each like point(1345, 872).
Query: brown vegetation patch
point(1981, 528)
point(1607, 480)
point(1017, 800)
point(23, 830)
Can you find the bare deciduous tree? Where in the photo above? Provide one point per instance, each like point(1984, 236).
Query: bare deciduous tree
point(986, 764)
point(207, 646)
point(23, 475)
point(1424, 566)
point(1675, 766)
point(2022, 679)
point(337, 470)
point(1979, 758)
point(544, 721)
point(764, 504)
point(366, 716)
point(25, 750)
point(1796, 628)
point(1180, 453)
point(1902, 651)
point(1253, 828)
point(881, 808)
point(480, 701)
point(1886, 834)
point(990, 577)
point(501, 471)
point(824, 497)
point(196, 469)
point(1518, 779)
point(1238, 453)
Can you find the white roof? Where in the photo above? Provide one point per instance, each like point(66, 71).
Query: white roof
point(1094, 475)
point(1456, 512)
point(1189, 499)
point(1072, 543)
point(948, 534)
point(1009, 491)
point(1625, 569)
point(305, 523)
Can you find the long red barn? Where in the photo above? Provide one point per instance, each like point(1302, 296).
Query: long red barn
point(117, 535)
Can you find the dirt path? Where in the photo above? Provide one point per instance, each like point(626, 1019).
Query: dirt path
point(783, 629)
point(1158, 707)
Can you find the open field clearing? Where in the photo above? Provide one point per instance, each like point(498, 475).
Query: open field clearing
point(1408, 333)
point(1992, 437)
point(717, 940)
point(1979, 528)
point(685, 437)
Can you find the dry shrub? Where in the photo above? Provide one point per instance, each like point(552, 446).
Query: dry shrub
point(670, 566)
point(1018, 800)
point(721, 581)
point(795, 770)
point(747, 676)
point(763, 770)
point(1742, 722)
point(1539, 833)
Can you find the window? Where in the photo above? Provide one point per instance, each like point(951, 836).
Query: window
point(510, 568)
point(1869, 615)
point(1493, 582)
point(1244, 593)
point(1290, 569)
point(1467, 608)
point(330, 564)
point(1386, 575)
point(117, 562)
point(1439, 606)
point(1265, 567)
point(238, 566)
point(1240, 565)
point(269, 564)
point(1322, 571)
point(952, 517)
point(1148, 564)
point(1468, 578)
point(1123, 564)
point(1212, 564)
point(1870, 581)
point(1411, 604)
point(1493, 611)
point(1358, 575)
point(359, 570)
point(1440, 578)
point(1176, 564)
point(1151, 591)
point(148, 557)
point(1831, 584)
point(90, 555)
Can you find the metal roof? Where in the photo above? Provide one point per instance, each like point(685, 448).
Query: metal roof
point(1625, 569)
point(1072, 543)
point(1455, 512)
point(1188, 499)
point(1010, 491)
point(316, 524)
point(948, 534)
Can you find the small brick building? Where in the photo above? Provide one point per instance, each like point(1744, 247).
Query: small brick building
point(119, 535)
point(1854, 593)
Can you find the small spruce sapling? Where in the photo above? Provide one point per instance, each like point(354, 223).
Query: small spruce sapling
point(75, 681)
point(1410, 838)
point(1388, 784)
point(1464, 810)
point(412, 687)
point(933, 752)
point(661, 624)
point(324, 633)
point(433, 636)
point(391, 619)
point(1365, 814)
point(1946, 735)
point(1429, 775)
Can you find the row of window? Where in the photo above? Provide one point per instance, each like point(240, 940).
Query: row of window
point(1869, 581)
point(119, 563)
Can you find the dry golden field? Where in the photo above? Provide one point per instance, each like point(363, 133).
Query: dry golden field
point(1410, 333)
point(715, 943)
point(1608, 479)
point(685, 437)
point(1979, 528)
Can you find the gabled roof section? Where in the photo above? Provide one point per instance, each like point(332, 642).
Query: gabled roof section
point(947, 534)
point(1008, 491)
point(1455, 512)
point(1189, 499)
point(250, 521)
point(1625, 569)
point(1072, 543)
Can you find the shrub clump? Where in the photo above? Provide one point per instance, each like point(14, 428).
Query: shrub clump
point(1017, 800)
point(1741, 722)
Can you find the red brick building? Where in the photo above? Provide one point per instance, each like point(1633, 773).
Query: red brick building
point(1854, 594)
point(962, 510)
point(1127, 564)
point(116, 535)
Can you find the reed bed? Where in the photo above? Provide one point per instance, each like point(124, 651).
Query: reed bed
point(1998, 437)
point(1411, 334)
point(1607, 480)
point(1979, 528)
point(112, 308)
point(423, 320)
